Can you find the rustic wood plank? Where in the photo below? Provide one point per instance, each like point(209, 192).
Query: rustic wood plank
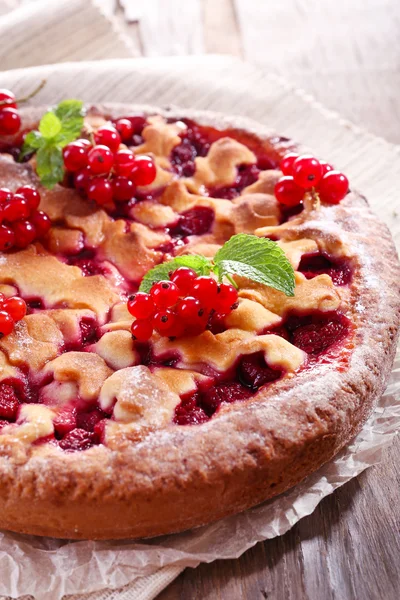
point(221, 31)
point(173, 28)
point(345, 53)
point(347, 549)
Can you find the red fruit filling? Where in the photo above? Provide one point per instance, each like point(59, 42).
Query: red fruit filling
point(247, 174)
point(254, 372)
point(312, 265)
point(78, 439)
point(318, 332)
point(87, 262)
point(9, 403)
point(194, 143)
point(89, 332)
point(196, 221)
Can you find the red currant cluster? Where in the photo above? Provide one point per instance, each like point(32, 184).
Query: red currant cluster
point(20, 221)
point(185, 305)
point(12, 310)
point(10, 121)
point(305, 173)
point(104, 173)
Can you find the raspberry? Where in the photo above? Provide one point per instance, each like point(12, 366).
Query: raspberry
point(9, 404)
point(77, 439)
point(254, 372)
point(224, 392)
point(65, 421)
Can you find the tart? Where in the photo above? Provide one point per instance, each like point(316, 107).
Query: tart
point(103, 436)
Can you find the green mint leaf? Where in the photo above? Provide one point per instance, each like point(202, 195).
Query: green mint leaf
point(57, 128)
point(198, 263)
point(49, 165)
point(259, 259)
point(50, 125)
point(70, 113)
point(33, 141)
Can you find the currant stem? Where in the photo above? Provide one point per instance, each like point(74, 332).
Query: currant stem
point(232, 281)
point(25, 98)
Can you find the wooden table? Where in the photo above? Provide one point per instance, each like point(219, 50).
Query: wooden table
point(347, 54)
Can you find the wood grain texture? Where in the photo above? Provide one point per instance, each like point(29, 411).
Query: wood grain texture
point(348, 549)
point(171, 28)
point(345, 53)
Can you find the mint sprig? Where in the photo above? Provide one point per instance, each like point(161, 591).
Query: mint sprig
point(57, 128)
point(258, 259)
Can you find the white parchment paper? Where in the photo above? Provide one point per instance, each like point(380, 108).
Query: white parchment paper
point(47, 569)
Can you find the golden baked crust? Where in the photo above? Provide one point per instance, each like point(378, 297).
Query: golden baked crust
point(152, 476)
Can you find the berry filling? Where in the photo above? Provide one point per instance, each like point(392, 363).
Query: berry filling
point(315, 334)
point(254, 372)
point(87, 262)
point(196, 221)
point(9, 403)
point(312, 265)
point(247, 174)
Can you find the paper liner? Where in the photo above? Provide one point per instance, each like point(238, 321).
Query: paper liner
point(47, 568)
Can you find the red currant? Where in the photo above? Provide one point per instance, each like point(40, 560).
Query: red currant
point(306, 171)
point(5, 195)
point(17, 209)
point(7, 96)
point(124, 128)
point(326, 167)
point(141, 306)
point(15, 307)
point(286, 164)
point(10, 121)
point(75, 155)
point(123, 162)
point(100, 160)
point(184, 279)
point(333, 187)
point(142, 330)
point(6, 324)
point(226, 298)
point(7, 238)
point(287, 192)
point(82, 180)
point(164, 294)
point(205, 289)
point(164, 322)
point(188, 308)
point(100, 191)
point(42, 223)
point(144, 171)
point(108, 136)
point(24, 233)
point(31, 195)
point(123, 189)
